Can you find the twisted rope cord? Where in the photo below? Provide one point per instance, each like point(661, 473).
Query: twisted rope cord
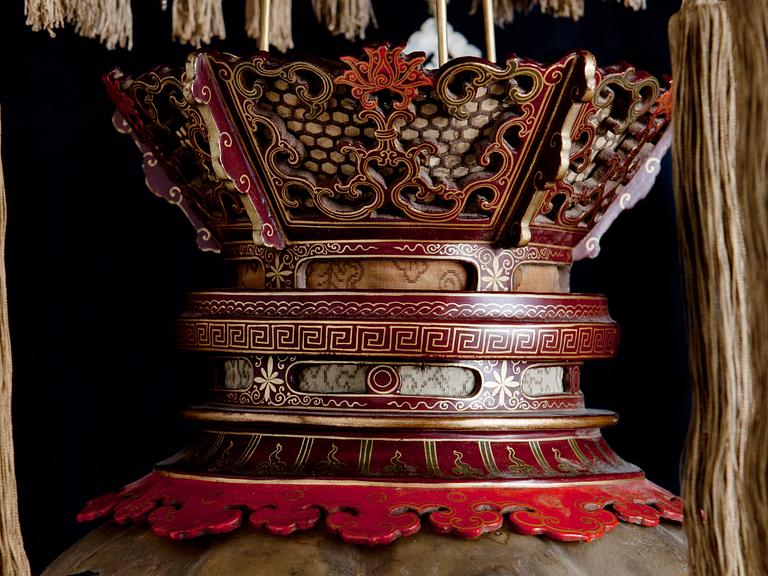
point(716, 224)
point(13, 558)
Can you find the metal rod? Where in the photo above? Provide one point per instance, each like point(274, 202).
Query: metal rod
point(490, 30)
point(441, 18)
point(266, 13)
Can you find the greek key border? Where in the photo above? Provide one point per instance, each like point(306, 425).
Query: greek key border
point(400, 339)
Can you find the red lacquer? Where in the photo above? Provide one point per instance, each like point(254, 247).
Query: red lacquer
point(460, 406)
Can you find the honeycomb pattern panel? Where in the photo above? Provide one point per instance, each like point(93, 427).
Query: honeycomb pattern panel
point(458, 141)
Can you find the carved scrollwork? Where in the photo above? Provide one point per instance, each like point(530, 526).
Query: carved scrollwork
point(379, 148)
point(176, 132)
point(249, 76)
point(521, 84)
point(384, 144)
point(625, 118)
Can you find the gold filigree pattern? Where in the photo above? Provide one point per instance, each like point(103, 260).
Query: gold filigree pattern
point(462, 469)
point(273, 464)
point(386, 143)
point(397, 467)
point(625, 119)
point(331, 465)
point(164, 119)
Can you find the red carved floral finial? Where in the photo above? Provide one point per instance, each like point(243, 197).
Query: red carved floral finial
point(386, 69)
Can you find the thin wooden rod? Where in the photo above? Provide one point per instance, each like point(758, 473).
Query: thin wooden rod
point(441, 16)
point(266, 13)
point(490, 30)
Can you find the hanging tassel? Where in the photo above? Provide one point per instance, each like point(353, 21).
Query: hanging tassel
point(573, 9)
point(13, 558)
point(710, 224)
point(198, 22)
point(44, 15)
point(349, 18)
point(116, 24)
point(280, 29)
point(83, 15)
point(109, 21)
point(749, 21)
point(505, 10)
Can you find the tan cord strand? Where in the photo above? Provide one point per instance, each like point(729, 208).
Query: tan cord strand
point(715, 272)
point(13, 558)
point(750, 25)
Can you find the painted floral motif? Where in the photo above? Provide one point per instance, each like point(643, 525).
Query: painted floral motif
point(503, 385)
point(385, 70)
point(278, 273)
point(269, 380)
point(496, 277)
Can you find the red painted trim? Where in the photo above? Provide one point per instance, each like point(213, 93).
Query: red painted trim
point(182, 508)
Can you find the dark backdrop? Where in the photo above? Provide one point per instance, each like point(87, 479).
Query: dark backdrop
point(98, 266)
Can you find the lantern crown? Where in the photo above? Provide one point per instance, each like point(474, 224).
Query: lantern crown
point(379, 148)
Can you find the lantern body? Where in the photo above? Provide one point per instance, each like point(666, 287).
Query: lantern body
point(399, 346)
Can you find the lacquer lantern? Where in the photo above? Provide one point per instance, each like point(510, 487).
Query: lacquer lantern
point(400, 346)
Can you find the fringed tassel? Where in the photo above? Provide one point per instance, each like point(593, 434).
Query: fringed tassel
point(749, 21)
point(13, 558)
point(198, 22)
point(573, 9)
point(116, 24)
point(505, 10)
point(109, 21)
point(280, 29)
point(349, 18)
point(45, 15)
point(710, 223)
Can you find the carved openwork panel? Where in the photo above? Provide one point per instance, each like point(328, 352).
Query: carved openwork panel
point(174, 139)
point(381, 148)
point(611, 137)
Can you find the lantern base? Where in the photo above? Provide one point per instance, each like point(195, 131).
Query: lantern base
point(381, 512)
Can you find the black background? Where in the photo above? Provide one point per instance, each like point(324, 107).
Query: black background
point(97, 266)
